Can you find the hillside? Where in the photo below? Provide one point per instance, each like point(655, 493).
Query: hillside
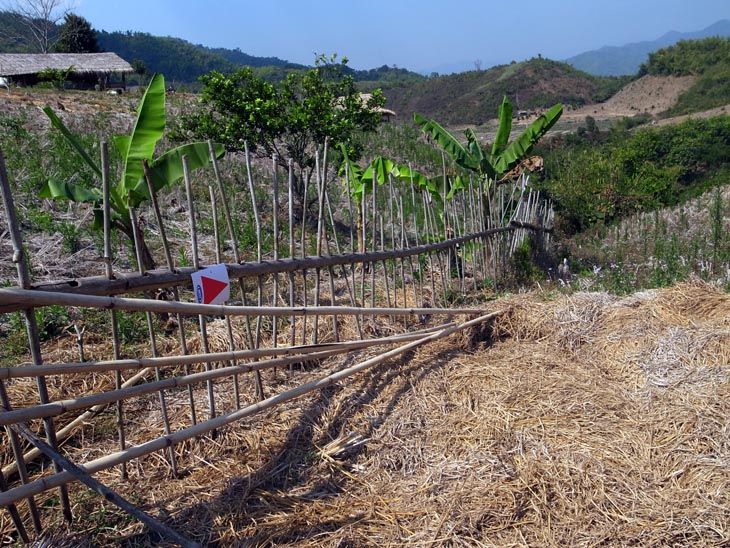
point(473, 97)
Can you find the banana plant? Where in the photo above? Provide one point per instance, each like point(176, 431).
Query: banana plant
point(361, 180)
point(504, 155)
point(132, 188)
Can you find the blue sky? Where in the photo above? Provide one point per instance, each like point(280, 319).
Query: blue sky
point(425, 35)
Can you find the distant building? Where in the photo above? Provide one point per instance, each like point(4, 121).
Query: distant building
point(387, 114)
point(85, 69)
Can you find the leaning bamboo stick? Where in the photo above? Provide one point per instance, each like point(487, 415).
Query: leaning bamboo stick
point(275, 208)
point(170, 268)
point(153, 342)
point(116, 346)
point(259, 238)
point(219, 260)
point(23, 271)
point(107, 493)
point(49, 482)
point(343, 271)
point(237, 258)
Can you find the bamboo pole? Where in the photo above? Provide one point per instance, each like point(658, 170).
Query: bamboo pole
point(259, 253)
point(375, 239)
point(31, 298)
point(275, 208)
point(153, 341)
point(107, 493)
point(21, 469)
point(343, 271)
point(292, 251)
point(318, 252)
point(146, 364)
point(196, 264)
point(49, 482)
point(23, 271)
point(237, 259)
point(219, 260)
point(116, 346)
point(427, 225)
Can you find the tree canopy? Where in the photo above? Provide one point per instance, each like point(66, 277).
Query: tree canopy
point(76, 36)
point(292, 119)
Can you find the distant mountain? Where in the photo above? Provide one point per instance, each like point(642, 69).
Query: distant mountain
point(625, 60)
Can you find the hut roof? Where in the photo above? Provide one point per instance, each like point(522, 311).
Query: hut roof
point(14, 64)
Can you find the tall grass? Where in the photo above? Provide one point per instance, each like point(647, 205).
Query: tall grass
point(660, 248)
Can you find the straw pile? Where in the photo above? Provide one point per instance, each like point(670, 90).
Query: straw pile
point(578, 420)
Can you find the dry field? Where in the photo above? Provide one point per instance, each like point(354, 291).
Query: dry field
point(578, 419)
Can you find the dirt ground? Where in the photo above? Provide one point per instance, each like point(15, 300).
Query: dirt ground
point(575, 419)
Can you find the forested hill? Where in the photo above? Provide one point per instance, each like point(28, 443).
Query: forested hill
point(179, 60)
point(183, 63)
point(473, 97)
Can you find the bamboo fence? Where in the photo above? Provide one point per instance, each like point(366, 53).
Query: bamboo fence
point(412, 260)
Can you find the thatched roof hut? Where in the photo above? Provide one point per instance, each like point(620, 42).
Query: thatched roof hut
point(26, 66)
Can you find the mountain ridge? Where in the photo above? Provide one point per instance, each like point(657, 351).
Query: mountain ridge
point(627, 59)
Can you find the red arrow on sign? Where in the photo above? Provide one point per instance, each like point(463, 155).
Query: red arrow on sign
point(211, 288)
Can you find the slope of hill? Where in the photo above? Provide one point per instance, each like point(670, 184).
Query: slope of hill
point(474, 97)
point(622, 60)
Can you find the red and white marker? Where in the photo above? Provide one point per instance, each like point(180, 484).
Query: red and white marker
point(212, 285)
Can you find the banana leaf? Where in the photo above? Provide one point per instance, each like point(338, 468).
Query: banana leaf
point(148, 129)
point(504, 129)
point(522, 145)
point(59, 125)
point(168, 168)
point(448, 142)
point(56, 189)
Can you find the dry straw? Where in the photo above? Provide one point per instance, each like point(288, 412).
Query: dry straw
point(576, 420)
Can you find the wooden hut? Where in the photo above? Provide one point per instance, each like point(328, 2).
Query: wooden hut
point(84, 69)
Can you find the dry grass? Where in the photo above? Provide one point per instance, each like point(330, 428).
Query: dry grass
point(580, 420)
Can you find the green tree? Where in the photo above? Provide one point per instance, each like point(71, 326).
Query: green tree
point(76, 36)
point(292, 120)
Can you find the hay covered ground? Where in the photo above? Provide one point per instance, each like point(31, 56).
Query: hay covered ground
point(576, 420)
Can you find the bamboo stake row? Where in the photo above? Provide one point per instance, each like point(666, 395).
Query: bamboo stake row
point(162, 279)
